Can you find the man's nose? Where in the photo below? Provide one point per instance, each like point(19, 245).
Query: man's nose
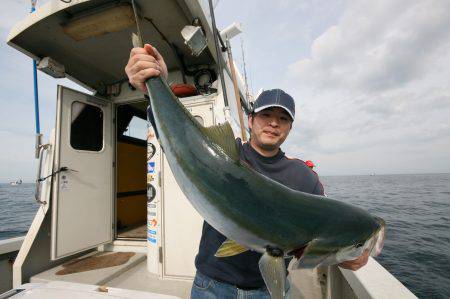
point(273, 122)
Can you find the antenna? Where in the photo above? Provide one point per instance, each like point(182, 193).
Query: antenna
point(247, 94)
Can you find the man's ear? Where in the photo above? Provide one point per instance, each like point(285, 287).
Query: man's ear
point(250, 121)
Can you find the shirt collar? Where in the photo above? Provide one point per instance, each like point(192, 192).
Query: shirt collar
point(278, 156)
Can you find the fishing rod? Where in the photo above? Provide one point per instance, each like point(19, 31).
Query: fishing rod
point(218, 53)
point(236, 91)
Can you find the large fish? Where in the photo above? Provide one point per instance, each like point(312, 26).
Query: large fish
point(252, 210)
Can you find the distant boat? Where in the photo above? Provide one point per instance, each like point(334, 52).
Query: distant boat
point(372, 174)
point(18, 182)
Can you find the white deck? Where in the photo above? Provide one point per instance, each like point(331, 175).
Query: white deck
point(132, 275)
point(138, 278)
point(97, 277)
point(372, 281)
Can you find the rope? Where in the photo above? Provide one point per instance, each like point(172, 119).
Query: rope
point(64, 168)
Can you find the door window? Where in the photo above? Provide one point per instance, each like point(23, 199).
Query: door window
point(86, 129)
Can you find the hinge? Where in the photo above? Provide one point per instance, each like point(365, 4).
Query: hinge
point(113, 164)
point(160, 254)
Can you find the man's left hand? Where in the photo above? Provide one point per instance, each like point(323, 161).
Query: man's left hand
point(356, 264)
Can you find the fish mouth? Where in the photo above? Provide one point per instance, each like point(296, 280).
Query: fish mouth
point(378, 239)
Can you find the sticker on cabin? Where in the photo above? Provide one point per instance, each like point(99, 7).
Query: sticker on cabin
point(150, 133)
point(151, 206)
point(152, 240)
point(151, 232)
point(151, 213)
point(151, 150)
point(151, 193)
point(151, 167)
point(150, 178)
point(153, 223)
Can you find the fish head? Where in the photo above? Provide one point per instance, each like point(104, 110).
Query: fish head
point(330, 250)
point(372, 245)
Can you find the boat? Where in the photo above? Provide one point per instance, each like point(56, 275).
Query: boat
point(112, 219)
point(15, 183)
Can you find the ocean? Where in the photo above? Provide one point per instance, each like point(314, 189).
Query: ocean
point(416, 209)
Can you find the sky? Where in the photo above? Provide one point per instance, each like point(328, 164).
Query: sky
point(370, 81)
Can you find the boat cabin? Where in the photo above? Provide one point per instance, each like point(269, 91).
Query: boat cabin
point(110, 186)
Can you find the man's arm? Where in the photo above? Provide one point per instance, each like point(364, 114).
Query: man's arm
point(318, 189)
point(145, 63)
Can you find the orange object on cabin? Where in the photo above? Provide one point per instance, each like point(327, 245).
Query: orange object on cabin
point(184, 90)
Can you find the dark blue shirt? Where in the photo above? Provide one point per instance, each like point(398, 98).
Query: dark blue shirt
point(242, 270)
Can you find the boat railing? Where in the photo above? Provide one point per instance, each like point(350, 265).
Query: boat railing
point(9, 249)
point(372, 281)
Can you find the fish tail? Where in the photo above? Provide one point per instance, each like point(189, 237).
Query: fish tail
point(273, 271)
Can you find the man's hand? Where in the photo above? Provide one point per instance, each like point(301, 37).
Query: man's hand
point(356, 264)
point(144, 63)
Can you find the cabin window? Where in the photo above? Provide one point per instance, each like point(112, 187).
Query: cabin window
point(86, 129)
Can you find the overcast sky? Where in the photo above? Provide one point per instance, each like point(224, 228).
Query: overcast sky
point(370, 80)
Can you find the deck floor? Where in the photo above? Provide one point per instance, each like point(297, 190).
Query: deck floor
point(138, 278)
point(133, 232)
point(132, 274)
point(90, 271)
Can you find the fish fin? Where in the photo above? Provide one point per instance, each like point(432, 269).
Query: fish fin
point(273, 271)
point(223, 136)
point(311, 261)
point(230, 248)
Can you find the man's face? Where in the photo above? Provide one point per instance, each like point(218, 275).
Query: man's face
point(270, 127)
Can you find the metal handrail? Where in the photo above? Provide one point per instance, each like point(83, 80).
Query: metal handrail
point(37, 193)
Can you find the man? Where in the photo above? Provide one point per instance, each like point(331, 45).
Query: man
point(270, 123)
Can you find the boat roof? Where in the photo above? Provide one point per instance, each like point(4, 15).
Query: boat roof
point(99, 61)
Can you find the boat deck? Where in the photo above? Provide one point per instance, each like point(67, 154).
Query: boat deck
point(138, 278)
point(126, 270)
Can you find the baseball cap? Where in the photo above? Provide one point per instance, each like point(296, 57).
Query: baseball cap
point(275, 98)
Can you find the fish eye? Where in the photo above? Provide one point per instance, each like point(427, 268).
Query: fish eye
point(359, 245)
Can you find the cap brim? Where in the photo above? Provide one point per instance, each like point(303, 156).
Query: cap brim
point(274, 105)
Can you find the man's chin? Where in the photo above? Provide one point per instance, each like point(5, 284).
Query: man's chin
point(270, 141)
point(269, 146)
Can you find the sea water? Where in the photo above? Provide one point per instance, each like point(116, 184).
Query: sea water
point(416, 209)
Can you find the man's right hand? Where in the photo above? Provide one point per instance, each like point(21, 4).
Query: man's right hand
point(144, 63)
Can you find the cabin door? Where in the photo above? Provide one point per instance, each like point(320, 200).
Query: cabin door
point(82, 206)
